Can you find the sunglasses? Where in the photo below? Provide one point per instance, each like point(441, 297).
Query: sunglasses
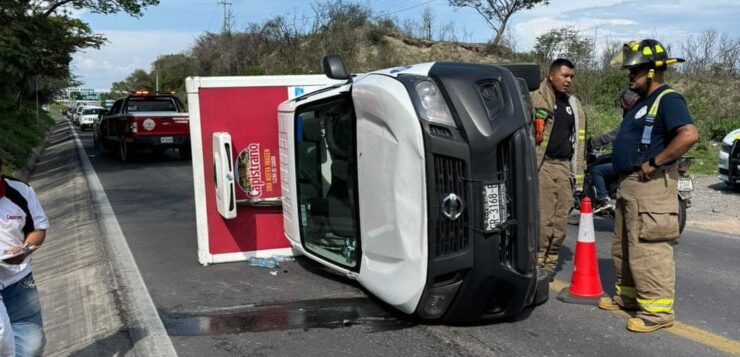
point(638, 70)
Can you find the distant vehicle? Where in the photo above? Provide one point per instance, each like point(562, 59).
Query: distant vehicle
point(143, 121)
point(729, 159)
point(76, 115)
point(88, 116)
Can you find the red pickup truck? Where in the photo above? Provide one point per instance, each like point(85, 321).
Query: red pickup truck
point(143, 121)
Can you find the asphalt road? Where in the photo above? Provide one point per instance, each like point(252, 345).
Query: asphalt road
point(234, 310)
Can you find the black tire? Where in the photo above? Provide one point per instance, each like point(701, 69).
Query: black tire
point(100, 145)
point(125, 151)
point(184, 152)
point(528, 71)
point(681, 215)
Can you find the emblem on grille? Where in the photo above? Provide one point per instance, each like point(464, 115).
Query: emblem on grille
point(452, 206)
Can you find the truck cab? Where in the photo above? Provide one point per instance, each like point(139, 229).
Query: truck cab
point(420, 183)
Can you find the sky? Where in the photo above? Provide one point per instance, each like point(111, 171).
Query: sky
point(173, 25)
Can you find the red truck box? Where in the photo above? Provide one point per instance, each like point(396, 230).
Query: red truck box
point(236, 168)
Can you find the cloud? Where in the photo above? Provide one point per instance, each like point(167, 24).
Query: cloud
point(125, 52)
point(669, 21)
point(527, 32)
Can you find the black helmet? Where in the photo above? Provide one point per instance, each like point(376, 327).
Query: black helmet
point(647, 53)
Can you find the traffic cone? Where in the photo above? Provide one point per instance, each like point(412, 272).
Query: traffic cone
point(585, 283)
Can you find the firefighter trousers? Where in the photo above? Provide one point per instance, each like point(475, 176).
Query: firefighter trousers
point(645, 225)
point(556, 200)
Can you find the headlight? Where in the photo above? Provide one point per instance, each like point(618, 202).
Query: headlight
point(433, 107)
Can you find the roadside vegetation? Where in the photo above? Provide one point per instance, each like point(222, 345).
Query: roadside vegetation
point(296, 43)
point(37, 40)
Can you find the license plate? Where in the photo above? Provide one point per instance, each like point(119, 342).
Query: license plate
point(494, 206)
point(685, 184)
point(166, 140)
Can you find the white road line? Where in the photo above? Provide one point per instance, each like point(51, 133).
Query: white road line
point(144, 326)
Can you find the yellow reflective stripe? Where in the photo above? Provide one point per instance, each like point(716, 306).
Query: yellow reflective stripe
point(626, 291)
point(654, 108)
point(581, 137)
point(656, 305)
point(581, 131)
point(579, 179)
point(581, 134)
point(658, 49)
point(634, 46)
point(647, 51)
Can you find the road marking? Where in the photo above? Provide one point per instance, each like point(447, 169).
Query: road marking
point(680, 329)
point(144, 325)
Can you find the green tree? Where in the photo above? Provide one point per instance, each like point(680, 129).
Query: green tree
point(497, 12)
point(565, 42)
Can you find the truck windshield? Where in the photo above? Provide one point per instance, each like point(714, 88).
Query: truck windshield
point(92, 111)
point(147, 104)
point(326, 176)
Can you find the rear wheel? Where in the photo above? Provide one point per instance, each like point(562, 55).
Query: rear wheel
point(184, 152)
point(681, 214)
point(101, 145)
point(125, 151)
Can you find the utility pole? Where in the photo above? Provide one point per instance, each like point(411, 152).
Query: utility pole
point(227, 15)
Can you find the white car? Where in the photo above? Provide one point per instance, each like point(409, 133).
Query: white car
point(88, 115)
point(729, 159)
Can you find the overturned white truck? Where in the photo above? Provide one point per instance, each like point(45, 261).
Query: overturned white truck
point(420, 183)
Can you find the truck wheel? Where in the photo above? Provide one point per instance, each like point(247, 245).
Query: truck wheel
point(184, 152)
point(101, 146)
point(125, 151)
point(681, 215)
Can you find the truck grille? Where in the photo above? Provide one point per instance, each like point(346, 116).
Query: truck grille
point(451, 235)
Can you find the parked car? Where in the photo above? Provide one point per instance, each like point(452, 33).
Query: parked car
point(729, 159)
point(76, 115)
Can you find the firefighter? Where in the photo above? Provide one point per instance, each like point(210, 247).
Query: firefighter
point(560, 132)
point(654, 133)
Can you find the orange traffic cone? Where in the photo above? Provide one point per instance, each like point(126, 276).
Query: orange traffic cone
point(585, 283)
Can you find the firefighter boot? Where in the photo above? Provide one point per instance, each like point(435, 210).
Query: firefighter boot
point(610, 304)
point(637, 324)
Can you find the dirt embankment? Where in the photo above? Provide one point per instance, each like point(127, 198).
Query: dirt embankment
point(714, 206)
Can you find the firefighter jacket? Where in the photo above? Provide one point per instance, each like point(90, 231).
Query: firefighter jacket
point(544, 98)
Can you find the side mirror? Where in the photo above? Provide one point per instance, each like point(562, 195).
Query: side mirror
point(334, 67)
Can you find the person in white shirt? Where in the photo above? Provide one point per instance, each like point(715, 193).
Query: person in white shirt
point(23, 225)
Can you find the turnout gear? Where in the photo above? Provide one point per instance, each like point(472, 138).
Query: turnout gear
point(646, 222)
point(558, 178)
point(544, 99)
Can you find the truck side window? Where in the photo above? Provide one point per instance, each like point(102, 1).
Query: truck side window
point(327, 180)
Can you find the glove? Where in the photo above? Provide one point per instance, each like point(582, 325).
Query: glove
point(540, 116)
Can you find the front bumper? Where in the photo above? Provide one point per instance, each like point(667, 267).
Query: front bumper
point(494, 270)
